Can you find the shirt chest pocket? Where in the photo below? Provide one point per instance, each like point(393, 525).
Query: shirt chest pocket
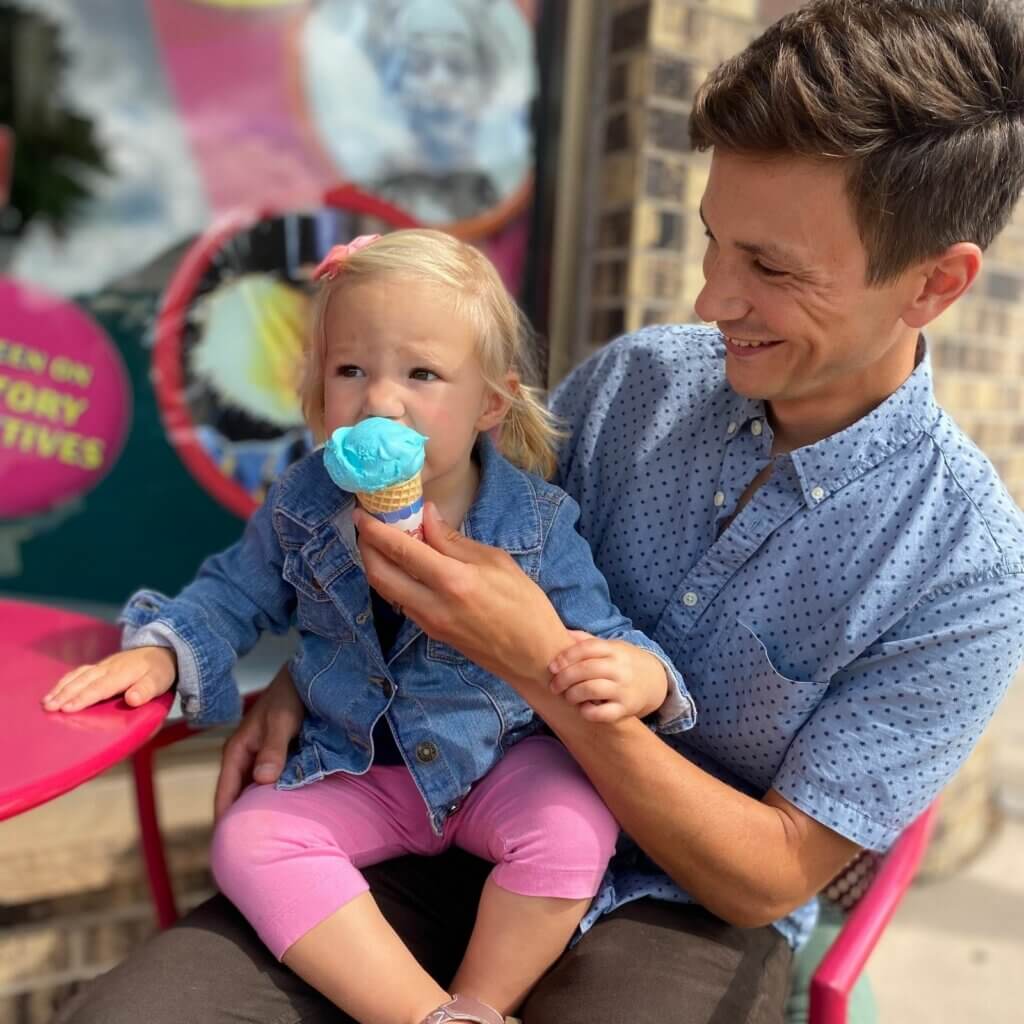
point(765, 690)
point(315, 612)
point(748, 711)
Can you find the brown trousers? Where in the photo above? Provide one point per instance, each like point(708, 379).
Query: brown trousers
point(648, 962)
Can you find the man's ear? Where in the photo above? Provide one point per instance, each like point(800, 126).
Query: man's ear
point(496, 405)
point(942, 281)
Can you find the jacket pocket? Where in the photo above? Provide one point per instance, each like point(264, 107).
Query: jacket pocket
point(437, 651)
point(315, 611)
point(517, 717)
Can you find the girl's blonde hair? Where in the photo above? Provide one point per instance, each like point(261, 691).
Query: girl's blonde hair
point(528, 435)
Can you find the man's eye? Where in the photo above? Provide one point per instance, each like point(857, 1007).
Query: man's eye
point(422, 373)
point(347, 370)
point(769, 271)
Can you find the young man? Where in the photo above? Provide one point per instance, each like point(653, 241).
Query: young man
point(778, 501)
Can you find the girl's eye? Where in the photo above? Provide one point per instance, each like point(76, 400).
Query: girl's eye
point(421, 373)
point(347, 370)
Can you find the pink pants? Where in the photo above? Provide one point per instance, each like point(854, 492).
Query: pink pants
point(288, 859)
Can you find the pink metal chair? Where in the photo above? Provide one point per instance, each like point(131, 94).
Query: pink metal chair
point(871, 892)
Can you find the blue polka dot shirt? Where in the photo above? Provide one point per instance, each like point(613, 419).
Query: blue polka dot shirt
point(848, 635)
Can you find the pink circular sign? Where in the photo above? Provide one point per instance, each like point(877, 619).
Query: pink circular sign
point(64, 401)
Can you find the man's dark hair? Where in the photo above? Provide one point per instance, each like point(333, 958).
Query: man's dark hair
point(923, 98)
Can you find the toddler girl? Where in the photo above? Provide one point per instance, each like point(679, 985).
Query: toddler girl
point(406, 745)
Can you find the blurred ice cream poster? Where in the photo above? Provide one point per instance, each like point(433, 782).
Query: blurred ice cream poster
point(175, 167)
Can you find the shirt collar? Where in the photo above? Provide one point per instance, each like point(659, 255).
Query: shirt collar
point(834, 461)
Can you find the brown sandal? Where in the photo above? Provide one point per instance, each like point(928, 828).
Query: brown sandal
point(464, 1008)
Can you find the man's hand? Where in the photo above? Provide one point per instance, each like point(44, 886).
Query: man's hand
point(259, 746)
point(140, 674)
point(466, 594)
point(609, 680)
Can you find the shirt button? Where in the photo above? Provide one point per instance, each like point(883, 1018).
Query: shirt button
point(731, 429)
point(426, 752)
point(452, 808)
point(817, 493)
point(756, 427)
point(363, 617)
point(719, 499)
point(690, 599)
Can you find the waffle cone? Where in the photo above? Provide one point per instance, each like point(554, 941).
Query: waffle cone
point(393, 498)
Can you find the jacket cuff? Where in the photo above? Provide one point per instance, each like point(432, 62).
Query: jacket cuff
point(678, 712)
point(149, 621)
point(159, 634)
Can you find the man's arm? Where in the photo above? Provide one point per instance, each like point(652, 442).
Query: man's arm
point(748, 861)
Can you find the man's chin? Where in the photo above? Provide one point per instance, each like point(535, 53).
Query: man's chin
point(749, 385)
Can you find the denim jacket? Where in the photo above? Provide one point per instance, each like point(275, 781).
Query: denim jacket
point(297, 561)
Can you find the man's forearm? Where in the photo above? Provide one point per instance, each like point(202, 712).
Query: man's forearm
point(748, 861)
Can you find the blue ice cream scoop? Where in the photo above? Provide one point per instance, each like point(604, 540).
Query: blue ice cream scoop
point(374, 454)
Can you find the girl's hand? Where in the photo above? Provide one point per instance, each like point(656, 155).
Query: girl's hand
point(258, 748)
point(140, 674)
point(609, 680)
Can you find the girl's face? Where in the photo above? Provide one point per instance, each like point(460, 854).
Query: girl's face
point(397, 349)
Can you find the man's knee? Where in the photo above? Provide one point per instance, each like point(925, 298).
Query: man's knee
point(652, 961)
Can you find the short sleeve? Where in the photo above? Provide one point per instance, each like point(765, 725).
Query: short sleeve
point(896, 725)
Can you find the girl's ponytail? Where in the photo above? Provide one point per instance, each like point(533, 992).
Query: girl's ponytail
point(529, 434)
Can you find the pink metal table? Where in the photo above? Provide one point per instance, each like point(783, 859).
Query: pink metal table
point(46, 753)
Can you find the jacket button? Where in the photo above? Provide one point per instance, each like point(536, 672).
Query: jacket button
point(426, 752)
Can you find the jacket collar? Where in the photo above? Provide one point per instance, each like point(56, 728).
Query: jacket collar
point(505, 513)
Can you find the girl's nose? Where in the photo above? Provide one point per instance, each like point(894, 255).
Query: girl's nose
point(383, 398)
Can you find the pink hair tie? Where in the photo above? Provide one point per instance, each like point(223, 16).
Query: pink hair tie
point(331, 265)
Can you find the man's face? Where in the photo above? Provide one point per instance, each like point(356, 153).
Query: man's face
point(785, 273)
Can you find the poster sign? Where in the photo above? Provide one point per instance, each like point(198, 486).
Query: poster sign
point(177, 168)
point(64, 401)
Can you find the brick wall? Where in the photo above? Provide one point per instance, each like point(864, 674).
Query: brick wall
point(647, 237)
point(48, 948)
point(73, 895)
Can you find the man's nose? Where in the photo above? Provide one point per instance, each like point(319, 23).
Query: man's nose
point(721, 298)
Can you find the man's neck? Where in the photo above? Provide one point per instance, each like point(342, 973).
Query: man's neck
point(799, 422)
